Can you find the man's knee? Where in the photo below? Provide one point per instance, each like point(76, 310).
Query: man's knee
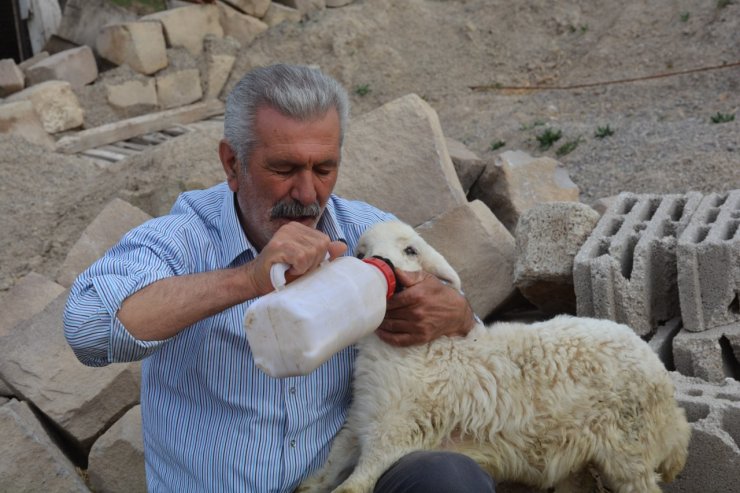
point(435, 472)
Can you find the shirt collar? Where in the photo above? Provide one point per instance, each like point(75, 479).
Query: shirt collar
point(235, 242)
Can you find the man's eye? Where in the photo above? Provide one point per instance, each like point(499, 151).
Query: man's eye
point(322, 171)
point(410, 250)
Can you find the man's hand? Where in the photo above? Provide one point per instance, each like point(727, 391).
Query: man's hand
point(425, 310)
point(300, 246)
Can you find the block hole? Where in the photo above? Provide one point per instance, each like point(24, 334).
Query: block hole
point(678, 209)
point(653, 205)
point(734, 306)
point(628, 260)
point(628, 205)
point(603, 248)
point(735, 214)
point(731, 423)
point(730, 364)
point(729, 397)
point(719, 200)
point(695, 411)
point(732, 227)
point(695, 392)
point(669, 229)
point(640, 227)
point(712, 215)
point(614, 226)
point(701, 234)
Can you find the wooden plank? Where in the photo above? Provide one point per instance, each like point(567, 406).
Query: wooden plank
point(119, 150)
point(126, 129)
point(101, 154)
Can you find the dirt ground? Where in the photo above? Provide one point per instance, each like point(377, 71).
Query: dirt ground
point(479, 64)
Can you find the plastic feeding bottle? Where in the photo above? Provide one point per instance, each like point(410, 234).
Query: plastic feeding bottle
point(294, 329)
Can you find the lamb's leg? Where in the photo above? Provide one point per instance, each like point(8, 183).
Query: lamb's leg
point(342, 458)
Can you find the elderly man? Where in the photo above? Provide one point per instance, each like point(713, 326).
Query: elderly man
point(174, 291)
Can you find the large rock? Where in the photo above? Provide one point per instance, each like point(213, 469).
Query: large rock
point(36, 361)
point(516, 181)
point(55, 103)
point(132, 94)
point(25, 299)
point(29, 460)
point(116, 461)
point(140, 45)
point(217, 62)
point(11, 77)
point(548, 237)
point(77, 66)
point(480, 249)
point(187, 26)
point(178, 88)
point(395, 157)
point(20, 118)
point(243, 28)
point(117, 218)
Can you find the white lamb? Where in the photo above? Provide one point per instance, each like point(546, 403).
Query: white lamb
point(531, 403)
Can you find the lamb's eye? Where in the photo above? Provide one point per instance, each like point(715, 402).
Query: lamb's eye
point(360, 255)
point(410, 250)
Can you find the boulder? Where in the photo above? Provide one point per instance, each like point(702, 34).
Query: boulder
point(21, 119)
point(187, 26)
point(77, 66)
point(480, 249)
point(25, 299)
point(55, 103)
point(140, 45)
point(11, 77)
point(395, 157)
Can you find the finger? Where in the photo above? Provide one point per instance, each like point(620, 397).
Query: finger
point(337, 249)
point(401, 339)
point(409, 278)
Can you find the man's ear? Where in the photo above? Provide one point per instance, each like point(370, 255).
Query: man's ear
point(230, 163)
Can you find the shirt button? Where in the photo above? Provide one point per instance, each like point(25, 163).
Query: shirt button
point(292, 390)
point(292, 443)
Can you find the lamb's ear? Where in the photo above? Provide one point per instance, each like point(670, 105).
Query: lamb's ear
point(434, 263)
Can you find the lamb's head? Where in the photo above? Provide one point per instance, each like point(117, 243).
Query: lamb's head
point(399, 243)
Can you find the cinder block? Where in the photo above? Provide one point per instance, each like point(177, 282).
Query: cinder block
point(30, 460)
point(140, 45)
point(26, 298)
point(626, 270)
point(548, 237)
point(709, 263)
point(714, 457)
point(103, 232)
point(712, 355)
point(480, 249)
point(398, 151)
point(55, 103)
point(468, 165)
point(187, 26)
point(116, 461)
point(77, 66)
point(20, 118)
point(662, 342)
point(11, 77)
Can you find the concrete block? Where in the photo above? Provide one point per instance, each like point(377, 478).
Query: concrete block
point(712, 355)
point(37, 362)
point(140, 45)
point(709, 263)
point(548, 237)
point(77, 66)
point(117, 218)
point(11, 77)
point(714, 414)
point(132, 93)
point(468, 165)
point(662, 341)
point(278, 13)
point(516, 181)
point(55, 103)
point(26, 298)
point(254, 8)
point(626, 270)
point(398, 151)
point(30, 461)
point(178, 88)
point(116, 461)
point(187, 26)
point(243, 28)
point(480, 249)
point(305, 7)
point(20, 118)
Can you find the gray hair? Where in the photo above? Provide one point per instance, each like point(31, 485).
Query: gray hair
point(296, 91)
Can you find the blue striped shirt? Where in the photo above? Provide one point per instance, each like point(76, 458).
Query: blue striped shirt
point(212, 421)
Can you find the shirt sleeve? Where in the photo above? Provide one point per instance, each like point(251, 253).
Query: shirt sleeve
point(91, 325)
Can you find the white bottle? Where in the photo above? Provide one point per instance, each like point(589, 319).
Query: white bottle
point(296, 328)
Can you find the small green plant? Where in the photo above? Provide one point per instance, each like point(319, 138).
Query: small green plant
point(497, 144)
point(362, 90)
point(529, 126)
point(685, 16)
point(584, 28)
point(603, 132)
point(548, 138)
point(722, 118)
point(568, 147)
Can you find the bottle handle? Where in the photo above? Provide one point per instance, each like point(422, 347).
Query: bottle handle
point(277, 273)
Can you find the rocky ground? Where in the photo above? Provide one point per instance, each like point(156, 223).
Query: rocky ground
point(663, 137)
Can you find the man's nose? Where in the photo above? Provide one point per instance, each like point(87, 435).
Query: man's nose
point(304, 189)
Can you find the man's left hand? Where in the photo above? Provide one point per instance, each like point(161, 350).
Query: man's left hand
point(425, 310)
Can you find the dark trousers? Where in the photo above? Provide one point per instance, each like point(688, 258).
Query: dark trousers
point(435, 472)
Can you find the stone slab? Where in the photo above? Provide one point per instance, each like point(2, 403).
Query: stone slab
point(26, 298)
point(187, 26)
point(11, 77)
point(83, 19)
point(55, 103)
point(243, 28)
point(140, 45)
point(468, 165)
point(77, 66)
point(708, 258)
point(20, 118)
point(178, 88)
point(626, 270)
point(132, 93)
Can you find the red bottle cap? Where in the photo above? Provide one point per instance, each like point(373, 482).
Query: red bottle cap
point(390, 276)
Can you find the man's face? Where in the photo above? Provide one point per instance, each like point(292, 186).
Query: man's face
point(293, 166)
